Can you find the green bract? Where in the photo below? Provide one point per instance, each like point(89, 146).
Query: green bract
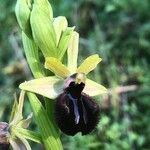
point(52, 86)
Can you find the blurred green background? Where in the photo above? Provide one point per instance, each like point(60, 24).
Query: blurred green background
point(119, 31)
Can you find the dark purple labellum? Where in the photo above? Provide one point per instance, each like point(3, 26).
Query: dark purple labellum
point(75, 111)
point(4, 146)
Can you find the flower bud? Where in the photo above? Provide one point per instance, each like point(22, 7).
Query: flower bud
point(42, 28)
point(23, 10)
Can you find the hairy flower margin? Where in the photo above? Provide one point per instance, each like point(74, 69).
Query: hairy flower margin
point(52, 86)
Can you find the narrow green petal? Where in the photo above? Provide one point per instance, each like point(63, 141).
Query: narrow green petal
point(93, 89)
point(14, 108)
point(25, 142)
point(49, 87)
point(14, 145)
point(25, 122)
point(18, 115)
point(20, 143)
point(28, 134)
point(89, 64)
point(64, 41)
point(73, 52)
point(54, 65)
point(60, 24)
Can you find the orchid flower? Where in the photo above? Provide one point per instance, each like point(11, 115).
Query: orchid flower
point(9, 132)
point(53, 86)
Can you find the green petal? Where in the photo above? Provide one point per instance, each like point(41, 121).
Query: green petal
point(14, 108)
point(73, 52)
point(28, 134)
point(18, 114)
point(25, 122)
point(64, 41)
point(89, 64)
point(49, 87)
point(60, 24)
point(54, 65)
point(20, 143)
point(92, 88)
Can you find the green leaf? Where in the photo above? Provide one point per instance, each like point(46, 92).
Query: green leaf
point(89, 64)
point(48, 132)
point(64, 41)
point(93, 89)
point(49, 87)
point(73, 52)
point(31, 52)
point(54, 65)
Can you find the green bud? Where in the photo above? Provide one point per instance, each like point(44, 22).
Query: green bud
point(60, 24)
point(42, 28)
point(45, 6)
point(23, 11)
point(64, 41)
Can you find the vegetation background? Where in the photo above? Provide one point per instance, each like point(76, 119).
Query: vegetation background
point(119, 31)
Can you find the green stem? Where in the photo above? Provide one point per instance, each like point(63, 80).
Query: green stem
point(48, 132)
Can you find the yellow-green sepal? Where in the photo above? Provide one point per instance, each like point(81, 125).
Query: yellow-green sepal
point(49, 87)
point(93, 89)
point(72, 52)
point(54, 65)
point(89, 64)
